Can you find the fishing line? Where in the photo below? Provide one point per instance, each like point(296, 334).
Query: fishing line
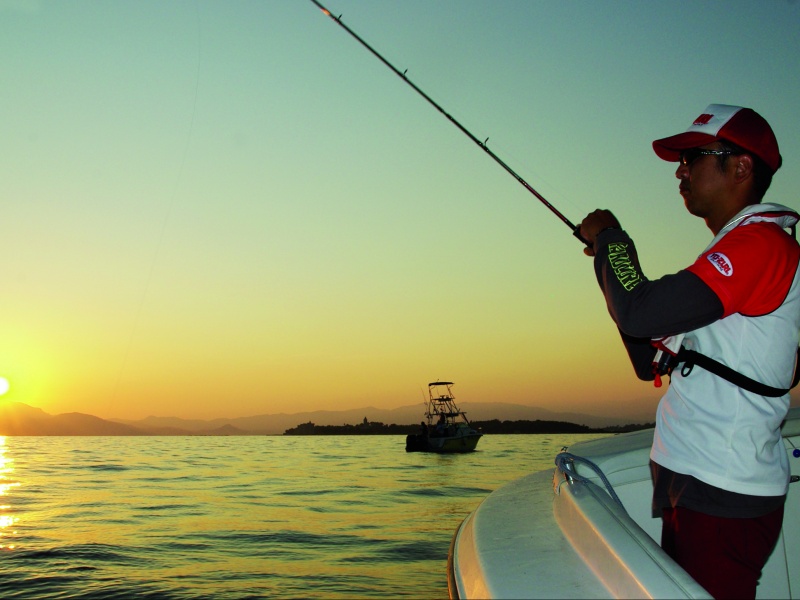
point(464, 130)
point(167, 215)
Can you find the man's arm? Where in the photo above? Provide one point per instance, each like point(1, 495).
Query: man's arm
point(645, 309)
point(650, 309)
point(641, 354)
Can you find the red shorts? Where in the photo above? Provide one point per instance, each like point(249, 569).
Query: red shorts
point(723, 555)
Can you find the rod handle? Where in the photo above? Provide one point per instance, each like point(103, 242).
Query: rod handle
point(576, 231)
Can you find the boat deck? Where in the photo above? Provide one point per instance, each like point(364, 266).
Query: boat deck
point(544, 537)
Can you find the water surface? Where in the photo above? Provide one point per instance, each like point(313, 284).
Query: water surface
point(242, 517)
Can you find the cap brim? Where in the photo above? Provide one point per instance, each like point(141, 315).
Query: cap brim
point(670, 148)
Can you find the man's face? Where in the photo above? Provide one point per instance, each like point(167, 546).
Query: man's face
point(703, 184)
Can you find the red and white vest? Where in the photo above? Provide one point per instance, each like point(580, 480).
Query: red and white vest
point(706, 426)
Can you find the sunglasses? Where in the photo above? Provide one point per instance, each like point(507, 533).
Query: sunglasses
point(687, 157)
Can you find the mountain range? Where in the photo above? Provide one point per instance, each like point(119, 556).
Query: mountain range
point(17, 418)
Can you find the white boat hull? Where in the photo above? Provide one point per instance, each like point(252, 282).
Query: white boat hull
point(543, 536)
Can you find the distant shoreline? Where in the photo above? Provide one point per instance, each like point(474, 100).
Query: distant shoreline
point(494, 426)
point(19, 419)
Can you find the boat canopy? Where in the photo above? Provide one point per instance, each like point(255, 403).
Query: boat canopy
point(440, 383)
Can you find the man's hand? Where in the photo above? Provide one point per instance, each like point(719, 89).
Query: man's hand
point(593, 224)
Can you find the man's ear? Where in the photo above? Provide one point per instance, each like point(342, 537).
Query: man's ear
point(744, 167)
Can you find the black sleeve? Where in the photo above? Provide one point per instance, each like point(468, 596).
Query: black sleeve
point(644, 309)
point(641, 354)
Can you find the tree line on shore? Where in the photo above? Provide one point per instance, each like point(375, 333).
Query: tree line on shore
point(367, 427)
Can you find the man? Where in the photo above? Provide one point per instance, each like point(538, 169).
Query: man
point(720, 471)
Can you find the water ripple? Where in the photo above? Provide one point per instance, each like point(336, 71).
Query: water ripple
point(196, 517)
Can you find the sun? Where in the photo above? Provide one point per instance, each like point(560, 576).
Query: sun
point(4, 385)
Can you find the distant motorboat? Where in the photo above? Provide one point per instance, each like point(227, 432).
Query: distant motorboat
point(446, 428)
point(584, 529)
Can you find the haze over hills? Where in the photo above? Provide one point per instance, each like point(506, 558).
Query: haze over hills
point(17, 418)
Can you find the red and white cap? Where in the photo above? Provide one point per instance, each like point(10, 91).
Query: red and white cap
point(742, 126)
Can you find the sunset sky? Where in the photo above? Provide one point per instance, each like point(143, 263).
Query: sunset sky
point(220, 209)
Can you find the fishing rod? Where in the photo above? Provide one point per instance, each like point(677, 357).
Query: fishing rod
point(481, 144)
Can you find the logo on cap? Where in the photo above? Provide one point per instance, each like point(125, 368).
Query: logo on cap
point(703, 119)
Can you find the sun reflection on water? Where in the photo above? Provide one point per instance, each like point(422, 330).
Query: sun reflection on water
point(7, 521)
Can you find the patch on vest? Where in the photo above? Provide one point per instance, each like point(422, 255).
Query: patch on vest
point(721, 263)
